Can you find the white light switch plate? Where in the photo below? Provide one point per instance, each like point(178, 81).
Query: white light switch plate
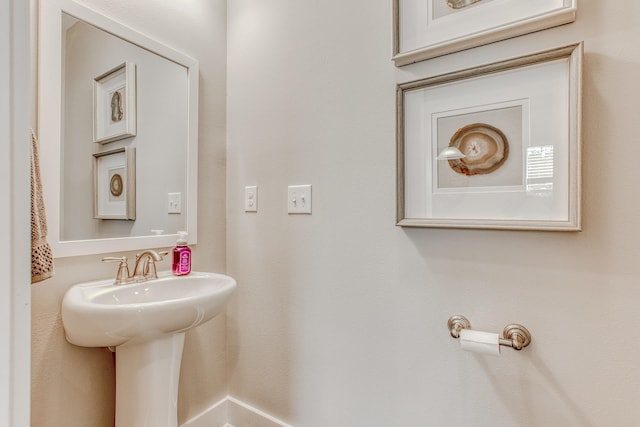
point(251, 198)
point(174, 203)
point(299, 199)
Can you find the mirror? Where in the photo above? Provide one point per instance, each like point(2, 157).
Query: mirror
point(118, 134)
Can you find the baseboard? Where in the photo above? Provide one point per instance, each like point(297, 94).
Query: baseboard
point(241, 414)
point(231, 412)
point(214, 416)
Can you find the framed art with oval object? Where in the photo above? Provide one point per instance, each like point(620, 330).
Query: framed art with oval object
point(424, 29)
point(495, 146)
point(114, 182)
point(114, 104)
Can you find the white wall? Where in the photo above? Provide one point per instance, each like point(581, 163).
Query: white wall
point(74, 386)
point(15, 109)
point(340, 317)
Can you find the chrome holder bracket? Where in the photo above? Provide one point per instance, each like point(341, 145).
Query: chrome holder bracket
point(514, 335)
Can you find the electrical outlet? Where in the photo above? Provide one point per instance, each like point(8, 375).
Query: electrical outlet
point(251, 198)
point(299, 199)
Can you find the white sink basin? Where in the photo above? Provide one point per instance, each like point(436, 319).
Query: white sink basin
point(101, 314)
point(145, 323)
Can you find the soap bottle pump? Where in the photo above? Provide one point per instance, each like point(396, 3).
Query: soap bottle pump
point(181, 256)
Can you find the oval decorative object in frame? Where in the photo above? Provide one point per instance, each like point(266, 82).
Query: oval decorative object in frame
point(485, 149)
point(116, 186)
point(459, 4)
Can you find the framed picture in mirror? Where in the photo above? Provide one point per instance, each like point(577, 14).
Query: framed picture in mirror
point(114, 181)
point(425, 29)
point(496, 146)
point(114, 104)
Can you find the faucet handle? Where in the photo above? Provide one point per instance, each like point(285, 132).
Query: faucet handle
point(123, 268)
point(114, 259)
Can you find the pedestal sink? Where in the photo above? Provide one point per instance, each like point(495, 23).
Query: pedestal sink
point(145, 323)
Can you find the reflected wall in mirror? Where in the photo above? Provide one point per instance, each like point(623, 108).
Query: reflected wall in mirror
point(158, 100)
point(87, 53)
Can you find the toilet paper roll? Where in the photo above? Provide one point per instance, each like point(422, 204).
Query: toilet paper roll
point(480, 342)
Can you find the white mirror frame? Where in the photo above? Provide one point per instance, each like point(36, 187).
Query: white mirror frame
point(49, 127)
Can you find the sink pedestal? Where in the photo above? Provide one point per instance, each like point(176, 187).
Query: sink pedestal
point(147, 375)
point(145, 322)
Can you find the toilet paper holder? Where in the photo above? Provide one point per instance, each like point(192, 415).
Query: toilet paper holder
point(513, 335)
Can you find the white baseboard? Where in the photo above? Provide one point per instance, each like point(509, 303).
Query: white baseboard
point(231, 412)
point(214, 416)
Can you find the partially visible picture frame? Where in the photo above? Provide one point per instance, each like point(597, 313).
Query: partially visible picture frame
point(114, 104)
point(114, 179)
point(426, 29)
point(496, 146)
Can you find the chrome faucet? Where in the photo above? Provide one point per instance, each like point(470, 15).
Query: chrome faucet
point(144, 269)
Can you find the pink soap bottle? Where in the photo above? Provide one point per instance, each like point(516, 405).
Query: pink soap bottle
point(181, 256)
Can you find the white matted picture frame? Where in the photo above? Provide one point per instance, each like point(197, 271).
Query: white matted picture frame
point(494, 147)
point(425, 29)
point(114, 179)
point(114, 104)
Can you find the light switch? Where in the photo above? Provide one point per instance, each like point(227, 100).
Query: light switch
point(174, 203)
point(251, 198)
point(299, 199)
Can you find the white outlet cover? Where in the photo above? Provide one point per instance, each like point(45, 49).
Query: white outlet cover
point(299, 199)
point(251, 198)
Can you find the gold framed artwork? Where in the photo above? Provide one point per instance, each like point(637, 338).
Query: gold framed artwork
point(495, 146)
point(425, 29)
point(114, 104)
point(114, 179)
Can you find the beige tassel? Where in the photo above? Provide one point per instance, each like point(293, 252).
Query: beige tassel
point(41, 254)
